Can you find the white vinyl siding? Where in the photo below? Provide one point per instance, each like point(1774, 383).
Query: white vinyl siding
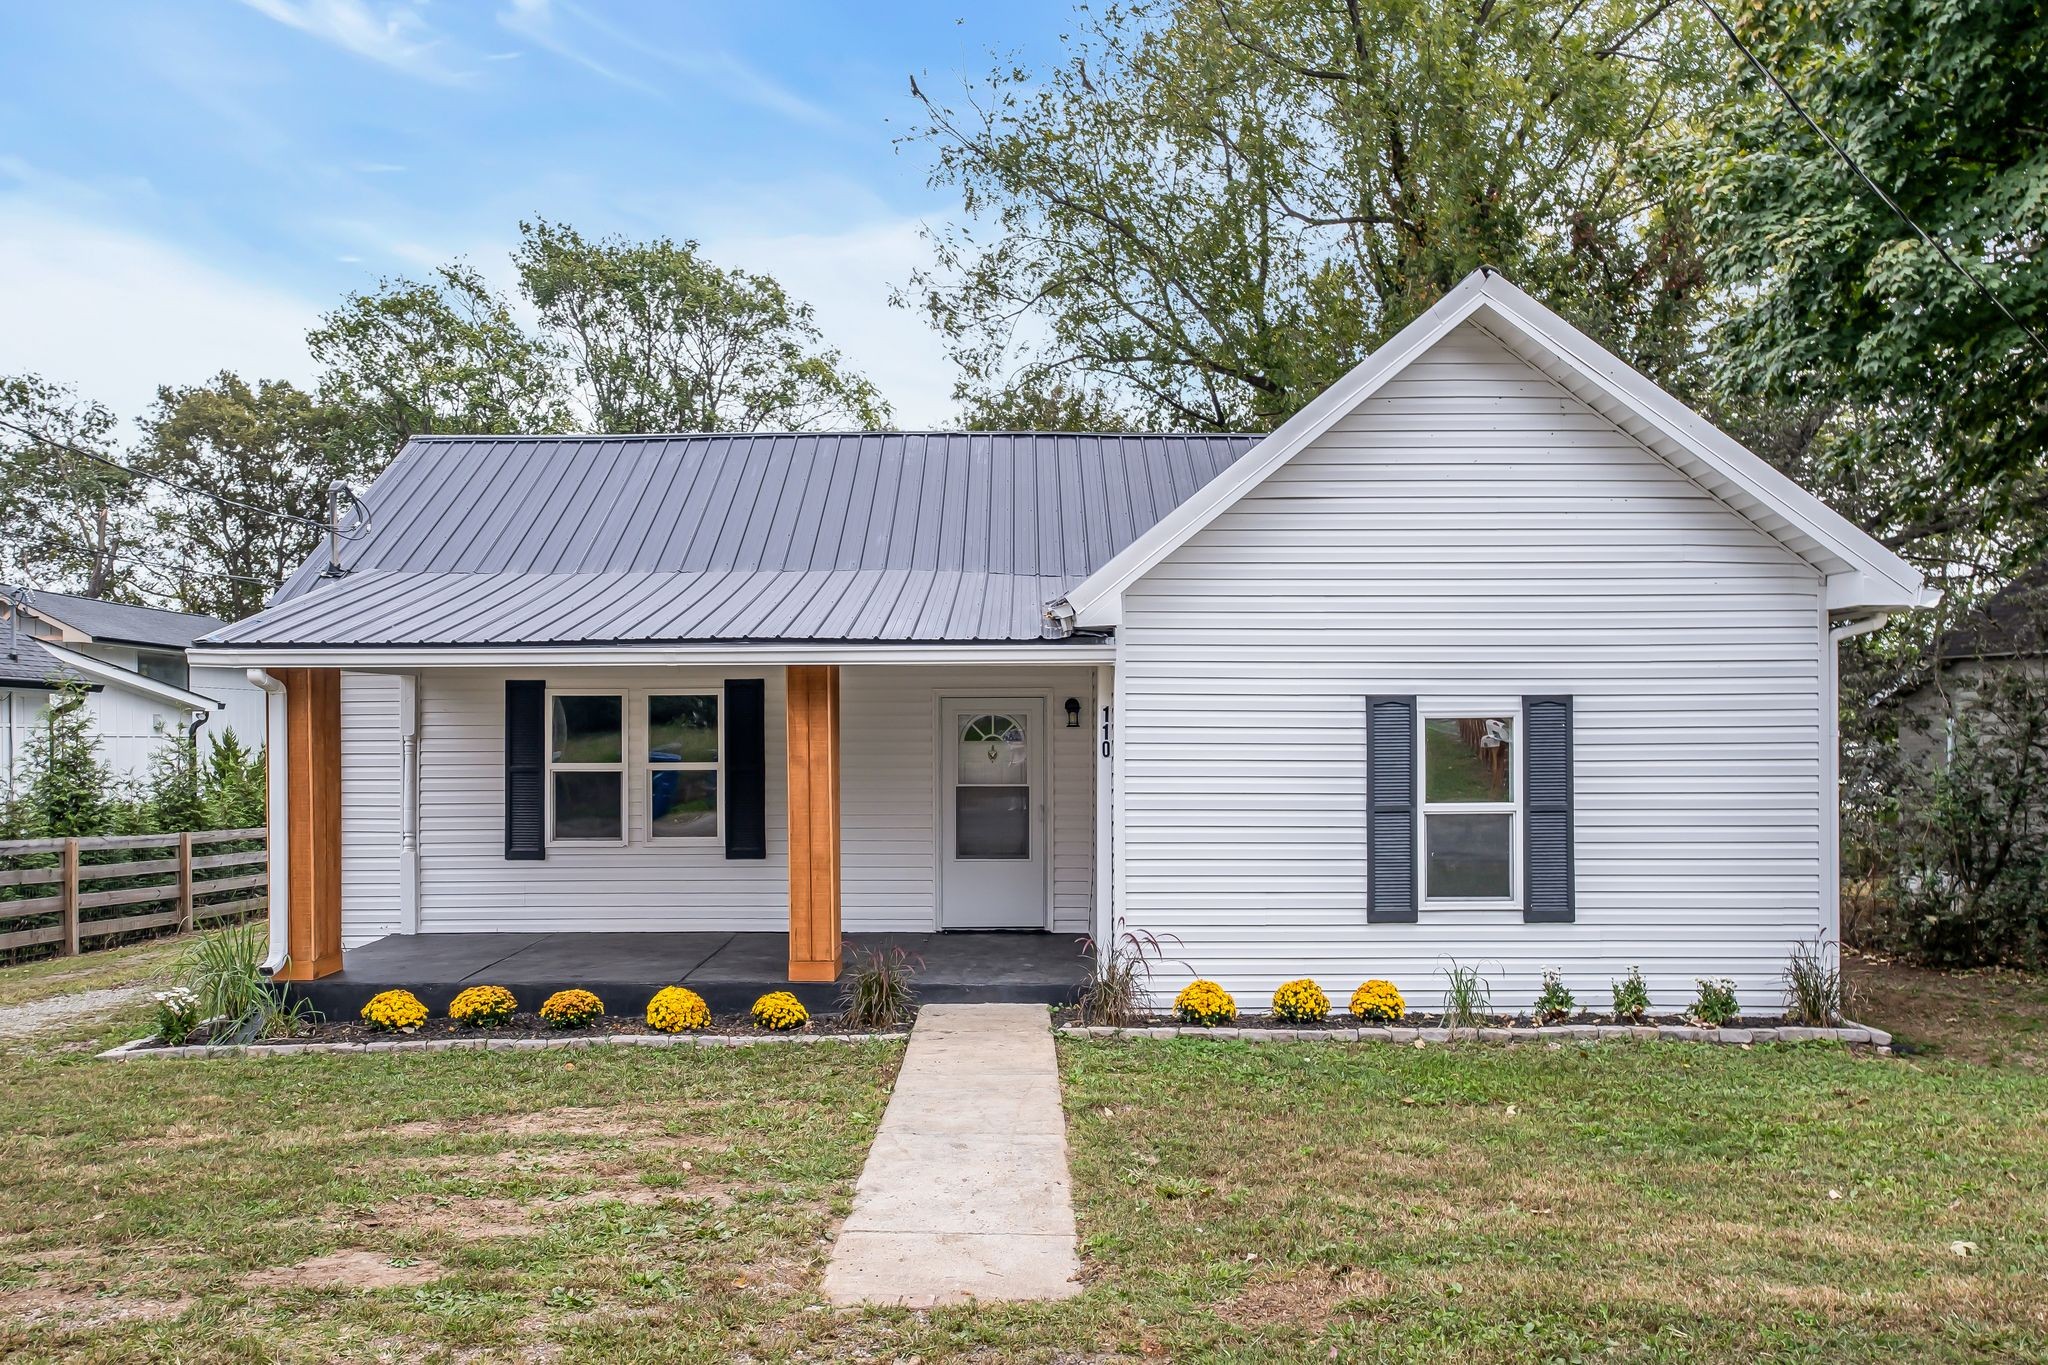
point(371, 800)
point(1474, 532)
point(888, 796)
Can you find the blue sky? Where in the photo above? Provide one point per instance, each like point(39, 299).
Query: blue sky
point(184, 187)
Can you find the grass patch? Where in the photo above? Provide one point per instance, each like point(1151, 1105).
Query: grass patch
point(1993, 1015)
point(1237, 1202)
point(136, 965)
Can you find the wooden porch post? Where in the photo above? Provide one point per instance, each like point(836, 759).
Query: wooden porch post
point(312, 756)
point(813, 708)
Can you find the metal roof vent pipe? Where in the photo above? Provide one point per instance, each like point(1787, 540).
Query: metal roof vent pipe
point(16, 601)
point(340, 495)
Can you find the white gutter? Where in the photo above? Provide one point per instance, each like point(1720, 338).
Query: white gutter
point(1849, 630)
point(276, 750)
point(402, 658)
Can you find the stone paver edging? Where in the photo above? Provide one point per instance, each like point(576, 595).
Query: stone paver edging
point(140, 1047)
point(965, 1195)
point(1852, 1034)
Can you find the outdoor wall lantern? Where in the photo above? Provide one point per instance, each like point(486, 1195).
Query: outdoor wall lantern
point(1073, 713)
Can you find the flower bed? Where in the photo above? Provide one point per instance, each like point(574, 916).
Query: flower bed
point(524, 1026)
point(1431, 1028)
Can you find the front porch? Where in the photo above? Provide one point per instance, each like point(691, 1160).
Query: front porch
point(730, 970)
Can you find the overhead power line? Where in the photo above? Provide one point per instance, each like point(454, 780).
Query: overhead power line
point(187, 489)
point(1864, 176)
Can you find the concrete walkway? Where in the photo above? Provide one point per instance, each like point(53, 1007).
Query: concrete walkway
point(965, 1193)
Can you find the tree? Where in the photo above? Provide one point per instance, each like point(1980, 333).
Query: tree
point(443, 354)
point(67, 788)
point(1930, 408)
point(1216, 208)
point(270, 448)
point(72, 524)
point(664, 340)
point(1029, 403)
point(233, 785)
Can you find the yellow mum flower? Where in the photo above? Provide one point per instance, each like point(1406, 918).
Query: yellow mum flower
point(779, 1010)
point(484, 1007)
point(1301, 1002)
point(1204, 1003)
point(1377, 1002)
point(678, 1009)
point(571, 1009)
point(394, 1011)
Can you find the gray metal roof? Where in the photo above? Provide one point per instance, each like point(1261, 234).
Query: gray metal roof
point(620, 539)
point(117, 623)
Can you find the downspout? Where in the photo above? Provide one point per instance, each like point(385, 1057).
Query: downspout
point(275, 750)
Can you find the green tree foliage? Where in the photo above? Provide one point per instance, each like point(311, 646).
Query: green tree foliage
point(1041, 403)
point(71, 524)
point(438, 355)
point(66, 787)
point(1217, 207)
point(1912, 399)
point(663, 340)
point(270, 447)
point(173, 797)
point(233, 784)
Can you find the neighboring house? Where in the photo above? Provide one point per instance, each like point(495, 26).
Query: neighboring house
point(2008, 635)
point(1495, 652)
point(142, 688)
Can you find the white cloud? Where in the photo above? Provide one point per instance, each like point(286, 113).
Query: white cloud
point(846, 277)
point(116, 313)
point(395, 35)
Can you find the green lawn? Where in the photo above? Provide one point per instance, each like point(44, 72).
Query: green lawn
point(1238, 1202)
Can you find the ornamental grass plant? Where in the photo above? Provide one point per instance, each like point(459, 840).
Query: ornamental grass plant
point(877, 992)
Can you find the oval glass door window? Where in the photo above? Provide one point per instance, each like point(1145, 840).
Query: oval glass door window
point(992, 790)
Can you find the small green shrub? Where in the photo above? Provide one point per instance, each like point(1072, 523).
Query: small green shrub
point(1715, 1004)
point(177, 1014)
point(1631, 998)
point(1554, 1004)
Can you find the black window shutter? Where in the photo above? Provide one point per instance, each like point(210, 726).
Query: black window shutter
point(1548, 892)
point(526, 773)
point(1390, 810)
point(746, 769)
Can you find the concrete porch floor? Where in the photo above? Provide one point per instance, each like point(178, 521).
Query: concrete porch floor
point(730, 970)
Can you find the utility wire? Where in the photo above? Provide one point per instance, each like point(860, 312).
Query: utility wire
point(185, 488)
point(1864, 176)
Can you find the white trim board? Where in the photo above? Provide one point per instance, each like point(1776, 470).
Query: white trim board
point(113, 675)
point(1862, 576)
point(396, 658)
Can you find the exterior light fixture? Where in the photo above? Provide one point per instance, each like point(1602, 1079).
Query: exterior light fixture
point(1073, 713)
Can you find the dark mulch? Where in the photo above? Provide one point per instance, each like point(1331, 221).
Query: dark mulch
point(1340, 1020)
point(526, 1025)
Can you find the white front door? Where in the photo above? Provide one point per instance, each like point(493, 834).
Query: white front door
point(992, 813)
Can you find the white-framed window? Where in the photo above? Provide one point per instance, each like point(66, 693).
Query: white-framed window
point(681, 775)
point(1471, 844)
point(586, 767)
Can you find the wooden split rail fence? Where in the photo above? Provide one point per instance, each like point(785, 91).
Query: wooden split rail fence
point(180, 881)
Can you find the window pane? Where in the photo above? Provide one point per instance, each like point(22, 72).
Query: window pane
point(993, 752)
point(164, 668)
point(587, 805)
point(586, 730)
point(1469, 759)
point(992, 822)
point(1469, 857)
point(683, 804)
point(682, 729)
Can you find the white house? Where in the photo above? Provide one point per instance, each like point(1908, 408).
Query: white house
point(140, 689)
point(1494, 653)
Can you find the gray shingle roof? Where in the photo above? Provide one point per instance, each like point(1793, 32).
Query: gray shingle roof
point(120, 624)
point(869, 537)
point(30, 665)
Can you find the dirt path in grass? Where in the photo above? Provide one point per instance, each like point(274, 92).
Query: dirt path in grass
point(18, 1021)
